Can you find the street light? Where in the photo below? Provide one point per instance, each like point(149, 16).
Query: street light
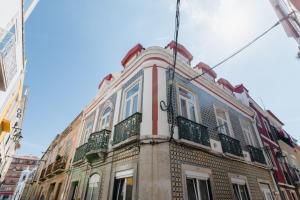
point(17, 136)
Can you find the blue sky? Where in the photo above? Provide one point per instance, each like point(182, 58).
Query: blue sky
point(71, 46)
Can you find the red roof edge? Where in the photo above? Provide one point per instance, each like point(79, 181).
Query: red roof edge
point(206, 69)
point(181, 49)
point(106, 78)
point(274, 116)
point(240, 88)
point(225, 83)
point(133, 51)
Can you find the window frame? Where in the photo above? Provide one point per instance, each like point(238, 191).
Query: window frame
point(106, 116)
point(124, 101)
point(124, 174)
point(249, 137)
point(195, 103)
point(88, 186)
point(268, 190)
point(216, 108)
point(266, 125)
point(239, 180)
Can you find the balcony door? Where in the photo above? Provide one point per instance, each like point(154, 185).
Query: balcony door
point(132, 98)
point(105, 120)
point(187, 106)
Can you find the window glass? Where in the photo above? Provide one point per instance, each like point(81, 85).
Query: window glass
point(105, 118)
point(187, 104)
point(198, 189)
point(222, 121)
point(93, 188)
point(240, 192)
point(131, 101)
point(246, 127)
point(123, 188)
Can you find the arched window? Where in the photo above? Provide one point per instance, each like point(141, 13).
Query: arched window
point(93, 189)
point(105, 120)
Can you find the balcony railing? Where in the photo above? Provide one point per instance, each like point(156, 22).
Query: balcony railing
point(295, 175)
point(97, 144)
point(42, 176)
point(192, 131)
point(80, 153)
point(256, 155)
point(230, 145)
point(127, 128)
point(49, 169)
point(59, 165)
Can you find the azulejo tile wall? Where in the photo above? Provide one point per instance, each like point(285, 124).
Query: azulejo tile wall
point(220, 166)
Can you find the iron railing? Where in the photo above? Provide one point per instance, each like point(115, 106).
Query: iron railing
point(230, 145)
point(256, 155)
point(192, 131)
point(127, 128)
point(98, 141)
point(295, 175)
point(80, 152)
point(59, 165)
point(49, 169)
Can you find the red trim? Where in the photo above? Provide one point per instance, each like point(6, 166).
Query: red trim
point(154, 100)
point(206, 69)
point(161, 59)
point(226, 83)
point(240, 88)
point(274, 116)
point(136, 49)
point(106, 78)
point(181, 49)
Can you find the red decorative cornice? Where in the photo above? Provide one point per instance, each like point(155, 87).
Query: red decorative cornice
point(240, 88)
point(226, 83)
point(106, 78)
point(135, 50)
point(206, 69)
point(181, 49)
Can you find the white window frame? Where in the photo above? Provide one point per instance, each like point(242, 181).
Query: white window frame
point(247, 132)
point(271, 155)
point(198, 176)
point(266, 191)
point(106, 117)
point(139, 103)
point(124, 175)
point(89, 183)
point(258, 121)
point(231, 134)
point(266, 125)
point(179, 97)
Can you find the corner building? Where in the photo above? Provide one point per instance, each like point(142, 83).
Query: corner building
point(125, 150)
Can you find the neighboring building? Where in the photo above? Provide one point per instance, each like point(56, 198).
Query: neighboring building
point(52, 175)
point(13, 174)
point(12, 71)
point(126, 150)
point(23, 186)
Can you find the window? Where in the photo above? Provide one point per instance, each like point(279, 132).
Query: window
point(265, 188)
point(93, 189)
point(294, 196)
point(74, 190)
point(223, 121)
point(187, 104)
point(283, 195)
point(266, 125)
point(198, 188)
point(131, 100)
point(123, 185)
point(240, 192)
point(89, 124)
point(248, 135)
point(105, 118)
point(258, 122)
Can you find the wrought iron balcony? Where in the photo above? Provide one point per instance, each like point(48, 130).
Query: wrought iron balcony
point(256, 155)
point(42, 176)
point(192, 131)
point(97, 145)
point(127, 128)
point(59, 165)
point(295, 175)
point(80, 153)
point(49, 170)
point(231, 145)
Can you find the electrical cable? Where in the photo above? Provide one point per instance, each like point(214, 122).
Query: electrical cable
point(169, 106)
point(244, 47)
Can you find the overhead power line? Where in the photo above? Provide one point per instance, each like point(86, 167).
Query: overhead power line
point(244, 47)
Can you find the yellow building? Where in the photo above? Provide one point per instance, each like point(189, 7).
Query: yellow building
point(52, 176)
